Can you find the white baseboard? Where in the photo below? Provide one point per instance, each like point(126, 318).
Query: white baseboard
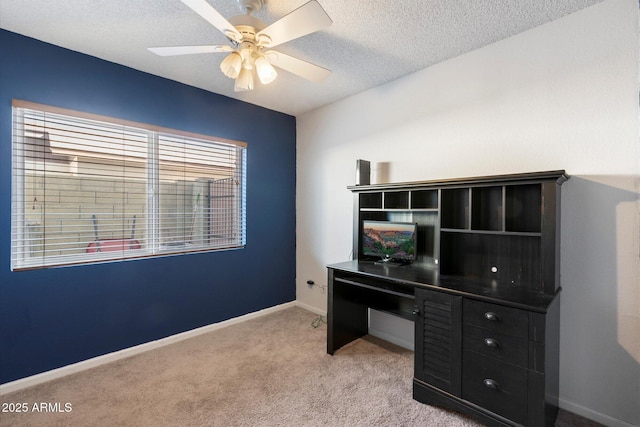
point(392, 339)
point(22, 383)
point(592, 415)
point(311, 308)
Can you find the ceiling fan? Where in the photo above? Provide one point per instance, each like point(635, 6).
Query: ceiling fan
point(252, 41)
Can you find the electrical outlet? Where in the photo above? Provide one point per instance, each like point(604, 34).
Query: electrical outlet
point(311, 284)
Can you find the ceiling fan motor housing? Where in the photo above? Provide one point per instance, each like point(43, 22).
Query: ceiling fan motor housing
point(249, 27)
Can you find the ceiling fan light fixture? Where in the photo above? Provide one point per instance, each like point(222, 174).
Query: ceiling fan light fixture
point(250, 36)
point(231, 65)
point(244, 80)
point(266, 72)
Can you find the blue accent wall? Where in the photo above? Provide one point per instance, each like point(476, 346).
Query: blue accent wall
point(54, 317)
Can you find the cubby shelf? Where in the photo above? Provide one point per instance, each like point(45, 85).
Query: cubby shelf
point(474, 227)
point(397, 210)
point(497, 233)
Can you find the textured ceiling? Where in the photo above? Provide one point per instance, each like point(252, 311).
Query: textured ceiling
point(370, 42)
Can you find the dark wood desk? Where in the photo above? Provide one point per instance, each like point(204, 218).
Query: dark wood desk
point(483, 290)
point(502, 371)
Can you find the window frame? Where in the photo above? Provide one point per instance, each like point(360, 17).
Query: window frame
point(19, 259)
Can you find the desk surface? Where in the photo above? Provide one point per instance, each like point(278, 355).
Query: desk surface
point(420, 276)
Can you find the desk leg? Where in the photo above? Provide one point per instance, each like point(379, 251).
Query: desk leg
point(346, 320)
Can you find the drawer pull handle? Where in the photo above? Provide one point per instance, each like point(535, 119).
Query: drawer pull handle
point(492, 384)
point(416, 311)
point(490, 342)
point(490, 315)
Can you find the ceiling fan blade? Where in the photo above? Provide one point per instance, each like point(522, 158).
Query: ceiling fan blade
point(204, 9)
point(306, 19)
point(189, 50)
point(297, 66)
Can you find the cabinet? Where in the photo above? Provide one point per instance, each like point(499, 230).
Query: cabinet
point(492, 361)
point(494, 367)
point(438, 357)
point(484, 289)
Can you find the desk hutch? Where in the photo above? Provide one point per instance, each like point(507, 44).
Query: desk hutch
point(483, 292)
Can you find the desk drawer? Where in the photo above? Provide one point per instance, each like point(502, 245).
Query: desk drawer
point(490, 343)
point(504, 320)
point(495, 385)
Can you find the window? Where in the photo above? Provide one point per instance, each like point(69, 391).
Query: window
point(91, 189)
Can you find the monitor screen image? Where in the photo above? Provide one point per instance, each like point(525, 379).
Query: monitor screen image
point(395, 241)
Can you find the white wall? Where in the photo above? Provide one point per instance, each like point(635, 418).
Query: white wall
point(561, 96)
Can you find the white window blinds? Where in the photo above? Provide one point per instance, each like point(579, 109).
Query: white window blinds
point(89, 189)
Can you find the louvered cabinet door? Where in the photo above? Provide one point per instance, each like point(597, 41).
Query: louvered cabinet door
point(438, 340)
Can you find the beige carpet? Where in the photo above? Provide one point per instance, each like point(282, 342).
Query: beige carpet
point(271, 371)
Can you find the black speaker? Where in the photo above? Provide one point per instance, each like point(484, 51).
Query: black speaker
point(363, 172)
